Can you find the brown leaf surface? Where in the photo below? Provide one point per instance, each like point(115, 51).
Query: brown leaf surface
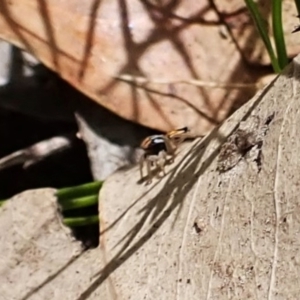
point(244, 33)
point(98, 46)
point(197, 234)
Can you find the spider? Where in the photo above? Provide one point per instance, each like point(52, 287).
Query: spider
point(158, 147)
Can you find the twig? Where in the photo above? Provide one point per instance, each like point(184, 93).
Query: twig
point(200, 83)
point(37, 152)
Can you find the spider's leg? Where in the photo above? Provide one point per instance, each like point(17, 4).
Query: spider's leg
point(161, 161)
point(181, 138)
point(170, 146)
point(172, 159)
point(149, 171)
point(142, 160)
point(175, 143)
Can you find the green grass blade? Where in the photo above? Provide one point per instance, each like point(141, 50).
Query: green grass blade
point(81, 221)
point(79, 191)
point(75, 203)
point(260, 24)
point(278, 33)
point(72, 198)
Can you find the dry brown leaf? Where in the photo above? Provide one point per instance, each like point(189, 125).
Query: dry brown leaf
point(101, 46)
point(198, 234)
point(239, 22)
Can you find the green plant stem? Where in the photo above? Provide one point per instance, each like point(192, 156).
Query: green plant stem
point(79, 191)
point(76, 221)
point(77, 197)
point(260, 24)
point(79, 202)
point(81, 221)
point(278, 33)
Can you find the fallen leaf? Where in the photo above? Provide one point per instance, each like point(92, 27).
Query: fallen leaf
point(198, 234)
point(245, 34)
point(153, 64)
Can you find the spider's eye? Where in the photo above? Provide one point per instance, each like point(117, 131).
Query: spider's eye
point(158, 140)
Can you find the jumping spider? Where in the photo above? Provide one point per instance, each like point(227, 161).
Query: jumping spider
point(158, 147)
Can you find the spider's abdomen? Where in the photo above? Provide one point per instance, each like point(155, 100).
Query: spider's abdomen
point(154, 144)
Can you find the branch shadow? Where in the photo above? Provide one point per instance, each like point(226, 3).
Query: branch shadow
point(163, 16)
point(21, 32)
point(224, 19)
point(50, 278)
point(8, 17)
point(188, 170)
point(53, 47)
point(89, 39)
point(163, 30)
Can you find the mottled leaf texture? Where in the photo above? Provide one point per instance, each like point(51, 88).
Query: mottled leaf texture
point(157, 63)
point(201, 234)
